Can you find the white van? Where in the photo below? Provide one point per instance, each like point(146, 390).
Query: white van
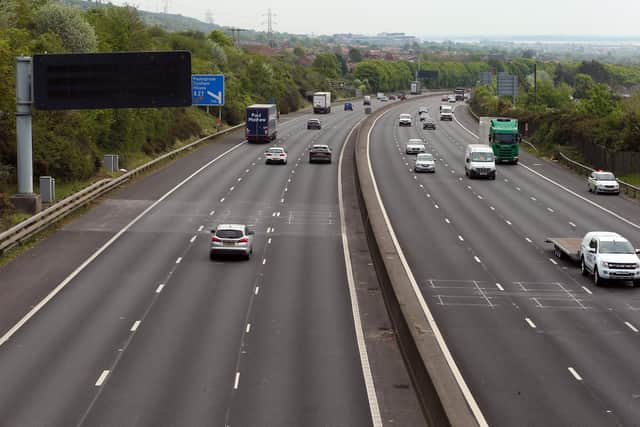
point(479, 161)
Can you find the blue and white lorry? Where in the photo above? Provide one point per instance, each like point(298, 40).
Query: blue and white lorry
point(261, 123)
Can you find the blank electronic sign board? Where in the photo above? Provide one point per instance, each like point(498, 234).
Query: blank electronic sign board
point(112, 80)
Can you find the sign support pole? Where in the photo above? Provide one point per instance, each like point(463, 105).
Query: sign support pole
point(25, 200)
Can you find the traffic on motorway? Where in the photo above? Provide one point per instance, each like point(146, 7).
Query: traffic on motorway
point(530, 331)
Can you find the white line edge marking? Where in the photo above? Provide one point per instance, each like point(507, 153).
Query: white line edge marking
point(530, 322)
point(630, 326)
point(374, 408)
point(104, 247)
point(557, 184)
point(135, 326)
point(159, 289)
point(102, 378)
point(236, 382)
point(499, 286)
point(473, 405)
point(587, 290)
point(574, 373)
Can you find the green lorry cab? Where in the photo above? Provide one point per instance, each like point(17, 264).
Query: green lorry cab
point(504, 139)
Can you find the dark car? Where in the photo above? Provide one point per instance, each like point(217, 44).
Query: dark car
point(313, 124)
point(429, 124)
point(392, 98)
point(320, 153)
point(402, 97)
point(348, 106)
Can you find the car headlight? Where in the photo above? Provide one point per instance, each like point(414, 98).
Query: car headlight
point(605, 264)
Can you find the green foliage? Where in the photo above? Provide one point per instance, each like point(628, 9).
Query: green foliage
point(381, 76)
point(220, 38)
point(600, 101)
point(583, 83)
point(68, 24)
point(327, 65)
point(355, 55)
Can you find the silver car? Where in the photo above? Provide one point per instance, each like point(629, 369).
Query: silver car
point(425, 163)
point(231, 239)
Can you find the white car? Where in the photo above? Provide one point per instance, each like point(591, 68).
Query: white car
point(231, 239)
point(425, 163)
point(609, 256)
point(404, 119)
point(275, 155)
point(603, 182)
point(415, 146)
point(383, 99)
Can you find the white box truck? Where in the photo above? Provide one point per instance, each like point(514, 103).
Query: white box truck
point(415, 88)
point(322, 102)
point(446, 112)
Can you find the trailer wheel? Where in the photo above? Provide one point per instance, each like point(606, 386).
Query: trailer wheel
point(583, 267)
point(557, 252)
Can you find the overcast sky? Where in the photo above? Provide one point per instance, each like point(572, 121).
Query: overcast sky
point(417, 17)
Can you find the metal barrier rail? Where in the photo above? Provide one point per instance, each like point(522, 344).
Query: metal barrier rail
point(29, 227)
point(625, 187)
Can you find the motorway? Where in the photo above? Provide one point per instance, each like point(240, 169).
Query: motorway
point(151, 332)
point(537, 343)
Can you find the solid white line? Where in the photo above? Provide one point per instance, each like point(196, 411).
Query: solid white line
point(102, 378)
point(201, 228)
point(574, 373)
point(630, 326)
point(193, 239)
point(104, 247)
point(477, 259)
point(236, 383)
point(135, 326)
point(530, 322)
point(179, 260)
point(248, 328)
point(473, 405)
point(499, 286)
point(553, 261)
point(587, 290)
point(159, 289)
point(355, 308)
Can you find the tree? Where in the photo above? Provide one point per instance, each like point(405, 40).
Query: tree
point(69, 24)
point(326, 64)
point(355, 55)
point(582, 85)
point(220, 38)
point(600, 101)
point(596, 70)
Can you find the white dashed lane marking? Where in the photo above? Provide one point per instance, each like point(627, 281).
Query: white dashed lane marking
point(135, 326)
point(575, 373)
point(159, 289)
point(530, 322)
point(102, 378)
point(630, 326)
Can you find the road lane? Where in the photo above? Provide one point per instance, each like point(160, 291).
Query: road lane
point(468, 249)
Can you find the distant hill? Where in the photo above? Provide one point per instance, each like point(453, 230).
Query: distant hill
point(168, 22)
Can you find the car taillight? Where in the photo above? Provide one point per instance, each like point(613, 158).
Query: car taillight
point(244, 240)
point(215, 239)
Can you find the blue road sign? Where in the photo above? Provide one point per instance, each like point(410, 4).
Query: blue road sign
point(207, 89)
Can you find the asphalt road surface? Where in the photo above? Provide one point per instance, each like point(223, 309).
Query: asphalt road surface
point(537, 343)
point(151, 332)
